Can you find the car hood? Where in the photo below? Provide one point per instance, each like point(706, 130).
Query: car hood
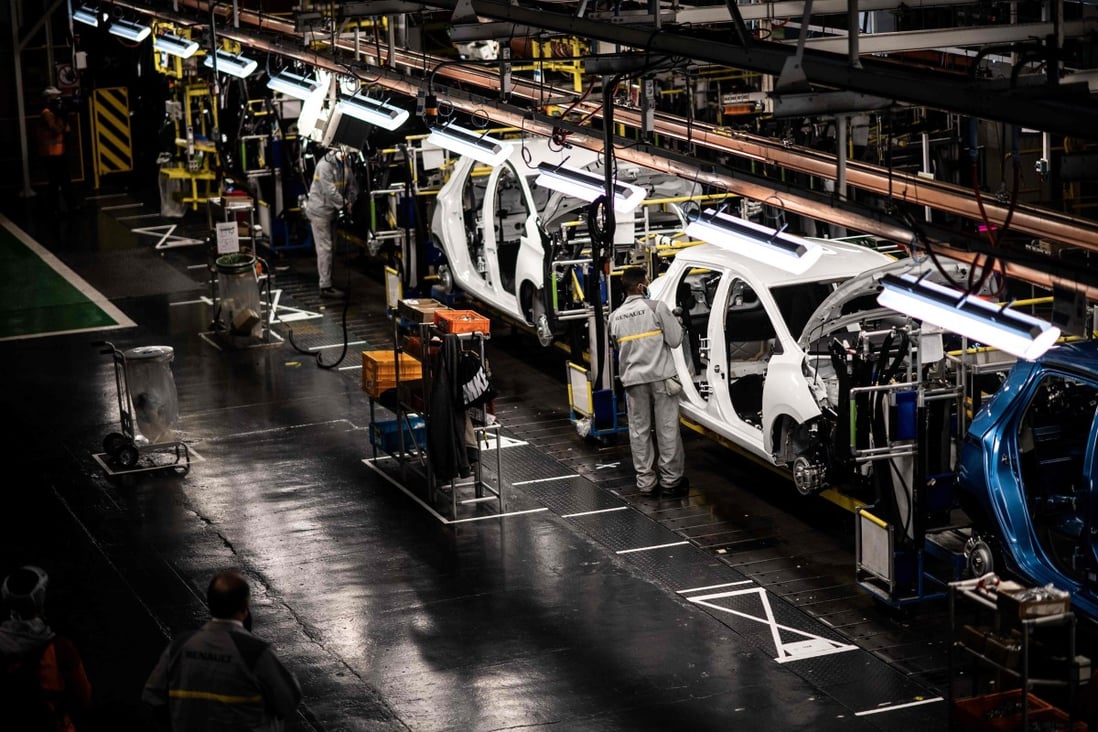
point(830, 314)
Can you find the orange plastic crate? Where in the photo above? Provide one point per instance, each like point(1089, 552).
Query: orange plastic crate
point(995, 712)
point(461, 321)
point(379, 371)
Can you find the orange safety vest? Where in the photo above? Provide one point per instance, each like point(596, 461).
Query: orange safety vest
point(51, 134)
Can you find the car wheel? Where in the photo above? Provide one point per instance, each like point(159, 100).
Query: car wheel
point(445, 279)
point(809, 476)
point(114, 442)
point(979, 557)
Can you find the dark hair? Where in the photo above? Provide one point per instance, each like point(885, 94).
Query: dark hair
point(631, 277)
point(227, 594)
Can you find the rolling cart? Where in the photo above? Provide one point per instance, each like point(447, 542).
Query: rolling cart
point(148, 409)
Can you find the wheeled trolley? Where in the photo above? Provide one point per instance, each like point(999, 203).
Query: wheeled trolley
point(148, 408)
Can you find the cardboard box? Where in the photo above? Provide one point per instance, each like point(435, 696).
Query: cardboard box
point(379, 371)
point(1011, 603)
point(420, 310)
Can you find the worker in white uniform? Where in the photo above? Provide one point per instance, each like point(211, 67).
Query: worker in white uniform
point(644, 332)
point(334, 190)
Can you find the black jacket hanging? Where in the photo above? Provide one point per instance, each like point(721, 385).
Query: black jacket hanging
point(446, 420)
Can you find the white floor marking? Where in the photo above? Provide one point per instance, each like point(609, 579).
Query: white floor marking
point(109, 469)
point(63, 270)
point(649, 548)
point(336, 345)
point(497, 515)
point(369, 462)
point(715, 587)
point(812, 646)
point(504, 441)
point(545, 480)
point(588, 513)
point(166, 232)
point(606, 466)
point(894, 707)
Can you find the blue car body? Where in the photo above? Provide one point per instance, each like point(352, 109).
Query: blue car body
point(1029, 476)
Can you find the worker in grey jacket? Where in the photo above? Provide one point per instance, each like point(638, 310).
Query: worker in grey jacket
point(221, 677)
point(334, 189)
point(644, 332)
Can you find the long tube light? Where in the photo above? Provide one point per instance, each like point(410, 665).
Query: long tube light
point(483, 149)
point(588, 186)
point(789, 253)
point(86, 15)
point(376, 112)
point(293, 85)
point(129, 30)
point(1008, 330)
point(175, 45)
point(233, 64)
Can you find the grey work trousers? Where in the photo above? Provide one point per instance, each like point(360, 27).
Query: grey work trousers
point(654, 424)
point(323, 227)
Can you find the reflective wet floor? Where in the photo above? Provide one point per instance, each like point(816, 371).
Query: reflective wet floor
point(582, 607)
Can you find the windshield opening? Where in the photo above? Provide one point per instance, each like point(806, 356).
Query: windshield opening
point(798, 302)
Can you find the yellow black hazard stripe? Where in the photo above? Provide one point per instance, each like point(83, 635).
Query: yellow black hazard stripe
point(111, 136)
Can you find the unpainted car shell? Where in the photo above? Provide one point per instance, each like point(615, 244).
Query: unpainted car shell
point(787, 392)
point(991, 486)
point(494, 246)
point(454, 217)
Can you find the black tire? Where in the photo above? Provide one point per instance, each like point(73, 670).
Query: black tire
point(114, 442)
point(127, 456)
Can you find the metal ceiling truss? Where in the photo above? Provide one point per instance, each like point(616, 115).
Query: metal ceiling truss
point(1040, 223)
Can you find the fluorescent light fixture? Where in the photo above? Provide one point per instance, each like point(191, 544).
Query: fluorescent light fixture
point(1008, 330)
point(87, 16)
point(588, 186)
point(129, 30)
point(376, 112)
point(229, 63)
point(483, 149)
point(175, 45)
point(763, 244)
point(293, 85)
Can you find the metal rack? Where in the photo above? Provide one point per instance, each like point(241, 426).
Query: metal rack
point(455, 492)
point(972, 592)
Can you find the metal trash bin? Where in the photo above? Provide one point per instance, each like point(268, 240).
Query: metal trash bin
point(151, 387)
point(239, 310)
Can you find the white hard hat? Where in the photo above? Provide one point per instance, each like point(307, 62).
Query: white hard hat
point(51, 91)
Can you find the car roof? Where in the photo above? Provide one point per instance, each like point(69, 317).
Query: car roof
point(840, 260)
point(1079, 356)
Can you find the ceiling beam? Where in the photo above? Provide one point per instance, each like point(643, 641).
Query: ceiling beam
point(1058, 112)
point(780, 10)
point(941, 38)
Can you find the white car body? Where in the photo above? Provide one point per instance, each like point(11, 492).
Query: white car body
point(486, 222)
point(753, 374)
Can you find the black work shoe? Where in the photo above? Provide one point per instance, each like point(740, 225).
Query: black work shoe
point(649, 492)
point(678, 490)
point(331, 292)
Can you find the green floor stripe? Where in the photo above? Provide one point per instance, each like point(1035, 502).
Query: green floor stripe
point(42, 296)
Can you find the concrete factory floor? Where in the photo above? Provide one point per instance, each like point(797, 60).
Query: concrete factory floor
point(586, 607)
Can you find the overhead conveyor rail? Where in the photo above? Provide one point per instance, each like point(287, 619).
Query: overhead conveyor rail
point(904, 188)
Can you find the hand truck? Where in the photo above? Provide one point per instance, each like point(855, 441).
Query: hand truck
point(126, 447)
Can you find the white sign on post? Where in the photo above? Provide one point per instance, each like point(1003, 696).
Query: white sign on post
point(228, 239)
